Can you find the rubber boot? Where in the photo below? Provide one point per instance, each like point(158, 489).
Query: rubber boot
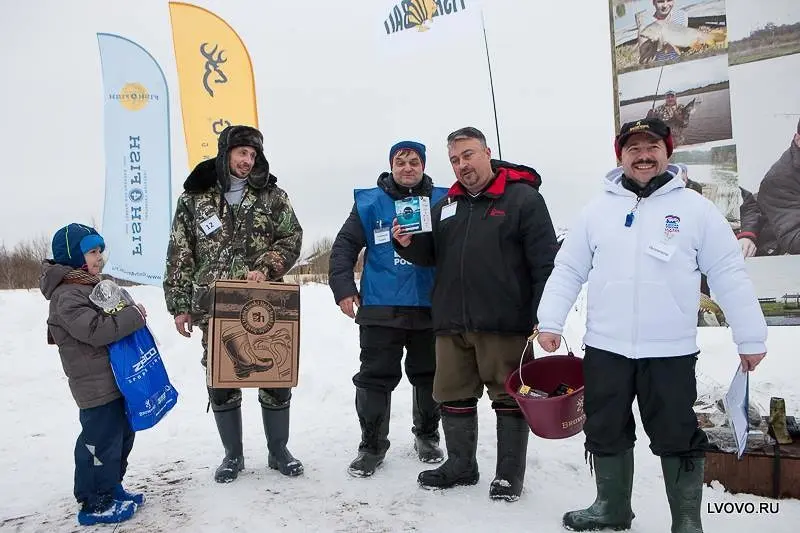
point(683, 479)
point(426, 414)
point(374, 412)
point(276, 429)
point(512, 448)
point(229, 425)
point(461, 437)
point(612, 506)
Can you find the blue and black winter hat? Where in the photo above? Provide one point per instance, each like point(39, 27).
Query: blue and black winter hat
point(74, 240)
point(419, 148)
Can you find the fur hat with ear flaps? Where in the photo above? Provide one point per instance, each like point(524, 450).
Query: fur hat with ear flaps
point(217, 171)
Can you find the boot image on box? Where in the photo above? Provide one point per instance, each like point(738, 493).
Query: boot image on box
point(241, 353)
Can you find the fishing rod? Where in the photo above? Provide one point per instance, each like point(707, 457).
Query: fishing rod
point(658, 86)
point(491, 86)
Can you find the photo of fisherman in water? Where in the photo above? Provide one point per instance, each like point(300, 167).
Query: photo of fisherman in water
point(693, 99)
point(674, 115)
point(649, 33)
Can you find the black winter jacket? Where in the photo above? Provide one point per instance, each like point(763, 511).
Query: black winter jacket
point(779, 200)
point(344, 255)
point(492, 256)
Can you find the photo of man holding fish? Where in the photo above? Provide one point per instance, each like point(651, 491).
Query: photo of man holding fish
point(650, 32)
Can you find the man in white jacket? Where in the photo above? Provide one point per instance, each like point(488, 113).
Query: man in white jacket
point(642, 246)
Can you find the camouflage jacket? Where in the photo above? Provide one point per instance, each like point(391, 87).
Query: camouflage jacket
point(262, 233)
point(674, 116)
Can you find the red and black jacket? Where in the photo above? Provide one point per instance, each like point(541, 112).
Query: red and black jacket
point(492, 257)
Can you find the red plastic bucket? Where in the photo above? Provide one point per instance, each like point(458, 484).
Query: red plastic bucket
point(556, 417)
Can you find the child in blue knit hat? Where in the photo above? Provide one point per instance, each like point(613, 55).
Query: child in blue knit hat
point(83, 332)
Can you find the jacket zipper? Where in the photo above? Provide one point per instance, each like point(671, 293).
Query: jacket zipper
point(635, 318)
point(463, 288)
point(233, 232)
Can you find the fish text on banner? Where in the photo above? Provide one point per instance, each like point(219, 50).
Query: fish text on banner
point(137, 210)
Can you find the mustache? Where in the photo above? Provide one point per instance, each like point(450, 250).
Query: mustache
point(645, 162)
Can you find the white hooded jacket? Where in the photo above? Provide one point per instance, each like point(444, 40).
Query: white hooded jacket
point(644, 280)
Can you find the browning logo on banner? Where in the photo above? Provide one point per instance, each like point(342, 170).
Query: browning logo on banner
point(215, 75)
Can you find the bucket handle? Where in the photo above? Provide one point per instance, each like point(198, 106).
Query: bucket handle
point(533, 356)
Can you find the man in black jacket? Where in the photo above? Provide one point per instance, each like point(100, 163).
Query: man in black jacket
point(493, 246)
point(779, 198)
point(393, 311)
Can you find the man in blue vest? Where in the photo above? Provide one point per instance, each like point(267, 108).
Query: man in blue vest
point(394, 311)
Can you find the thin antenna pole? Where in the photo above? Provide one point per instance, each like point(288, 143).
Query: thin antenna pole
point(491, 86)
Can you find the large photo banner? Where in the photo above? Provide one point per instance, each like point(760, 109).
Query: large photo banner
point(136, 213)
point(723, 75)
point(215, 75)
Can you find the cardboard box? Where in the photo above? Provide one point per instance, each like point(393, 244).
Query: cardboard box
point(254, 334)
point(414, 214)
point(773, 472)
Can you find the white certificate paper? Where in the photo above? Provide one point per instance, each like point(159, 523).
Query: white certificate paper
point(736, 401)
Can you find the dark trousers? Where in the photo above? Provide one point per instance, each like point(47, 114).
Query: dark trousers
point(382, 355)
point(469, 362)
point(227, 399)
point(665, 389)
point(101, 451)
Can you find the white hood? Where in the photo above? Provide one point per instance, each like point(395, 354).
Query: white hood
point(612, 181)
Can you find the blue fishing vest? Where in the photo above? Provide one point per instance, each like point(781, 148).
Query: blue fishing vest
point(387, 278)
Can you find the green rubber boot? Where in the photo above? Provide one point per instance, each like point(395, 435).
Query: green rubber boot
point(683, 479)
point(612, 506)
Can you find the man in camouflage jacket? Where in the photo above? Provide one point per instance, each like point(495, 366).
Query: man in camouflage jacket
point(233, 222)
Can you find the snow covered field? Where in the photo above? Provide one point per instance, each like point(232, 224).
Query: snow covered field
point(173, 463)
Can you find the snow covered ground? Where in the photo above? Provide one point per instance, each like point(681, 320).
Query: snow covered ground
point(173, 462)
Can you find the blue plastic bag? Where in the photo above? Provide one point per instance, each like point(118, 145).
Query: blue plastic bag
point(142, 379)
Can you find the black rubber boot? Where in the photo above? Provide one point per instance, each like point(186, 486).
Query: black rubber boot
point(374, 411)
point(612, 506)
point(229, 425)
point(426, 415)
point(512, 448)
point(683, 479)
point(276, 429)
point(461, 437)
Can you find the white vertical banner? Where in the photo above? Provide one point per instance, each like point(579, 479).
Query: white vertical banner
point(137, 210)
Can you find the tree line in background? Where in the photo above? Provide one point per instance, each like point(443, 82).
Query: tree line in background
point(20, 266)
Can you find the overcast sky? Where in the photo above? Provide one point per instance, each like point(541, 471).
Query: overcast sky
point(329, 101)
point(746, 16)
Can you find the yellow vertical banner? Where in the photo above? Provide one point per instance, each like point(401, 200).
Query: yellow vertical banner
point(215, 77)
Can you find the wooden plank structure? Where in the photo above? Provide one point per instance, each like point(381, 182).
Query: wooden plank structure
point(773, 472)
